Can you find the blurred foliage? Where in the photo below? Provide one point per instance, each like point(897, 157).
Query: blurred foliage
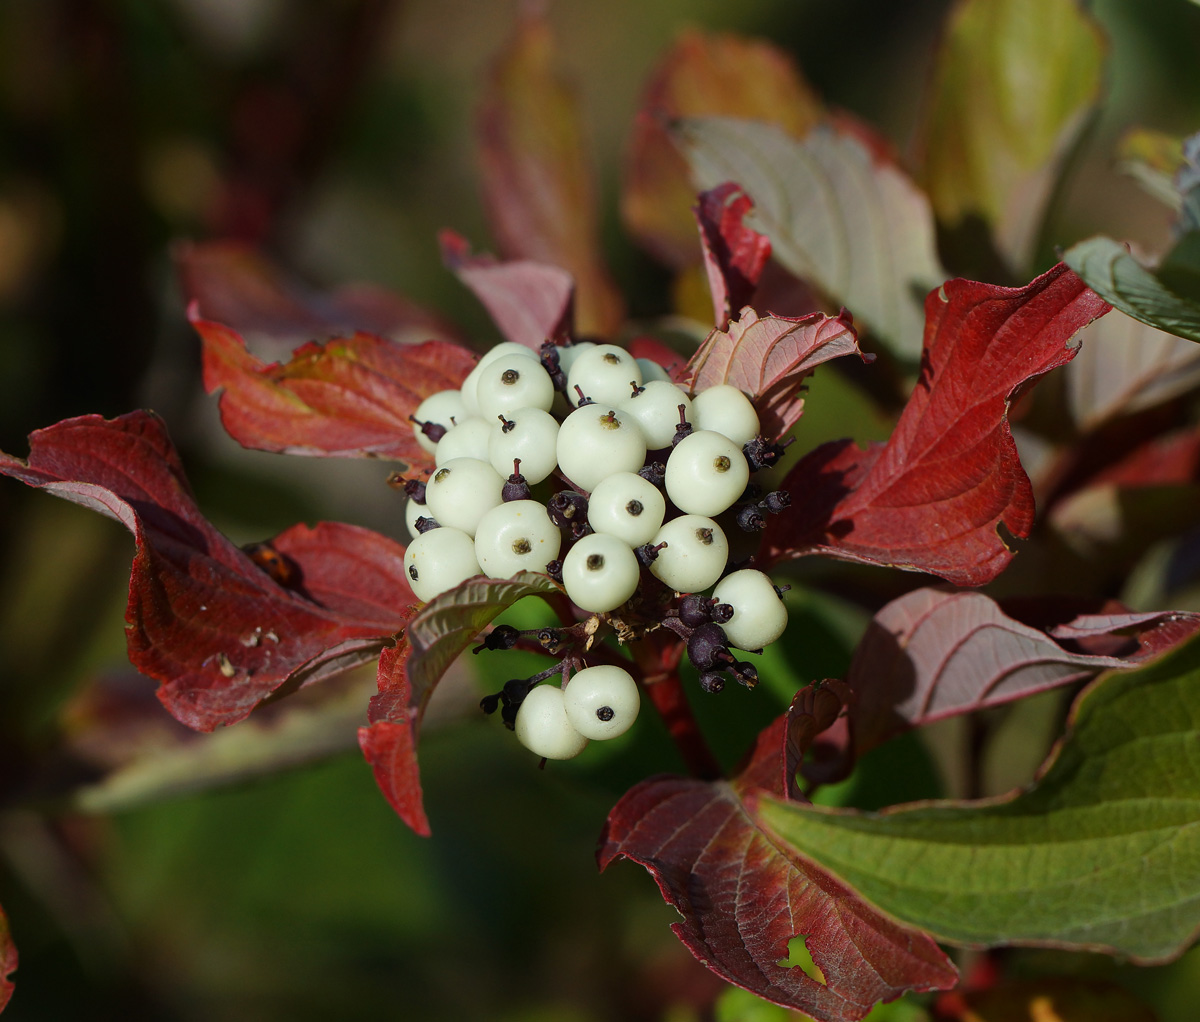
point(337, 134)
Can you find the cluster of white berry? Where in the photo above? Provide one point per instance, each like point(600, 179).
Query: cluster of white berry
point(602, 420)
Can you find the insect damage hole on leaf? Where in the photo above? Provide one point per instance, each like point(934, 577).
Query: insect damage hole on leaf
point(799, 957)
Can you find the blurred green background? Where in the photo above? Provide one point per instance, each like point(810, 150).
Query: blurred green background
point(338, 134)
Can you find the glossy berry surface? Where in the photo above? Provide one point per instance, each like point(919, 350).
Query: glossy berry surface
point(511, 383)
point(438, 560)
point(695, 554)
point(627, 506)
point(462, 491)
point(759, 615)
point(604, 374)
point(706, 473)
point(516, 536)
point(602, 702)
point(725, 409)
point(529, 434)
point(542, 725)
point(600, 573)
point(595, 442)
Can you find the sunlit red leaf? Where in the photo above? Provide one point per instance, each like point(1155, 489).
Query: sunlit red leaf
point(203, 618)
point(703, 74)
point(389, 741)
point(734, 254)
point(536, 180)
point(235, 284)
point(934, 497)
point(409, 672)
point(743, 897)
point(528, 301)
point(349, 397)
point(933, 654)
point(769, 357)
point(8, 960)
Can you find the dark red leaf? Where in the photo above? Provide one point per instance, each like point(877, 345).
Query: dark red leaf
point(734, 254)
point(537, 182)
point(349, 397)
point(529, 302)
point(389, 741)
point(235, 284)
point(769, 357)
point(933, 654)
point(934, 497)
point(743, 897)
point(8, 960)
point(204, 619)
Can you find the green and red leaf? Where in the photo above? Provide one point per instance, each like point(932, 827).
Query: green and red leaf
point(219, 629)
point(743, 897)
point(349, 397)
point(734, 253)
point(934, 497)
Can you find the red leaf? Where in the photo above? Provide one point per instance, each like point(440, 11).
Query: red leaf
point(536, 179)
point(350, 397)
point(8, 960)
point(743, 897)
point(529, 302)
point(768, 359)
point(235, 284)
point(204, 619)
point(933, 654)
point(934, 496)
point(734, 254)
point(389, 741)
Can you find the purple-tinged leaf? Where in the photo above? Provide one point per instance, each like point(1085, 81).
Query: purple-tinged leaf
point(235, 284)
point(350, 397)
point(217, 628)
point(769, 357)
point(409, 672)
point(743, 897)
point(537, 184)
point(8, 960)
point(932, 654)
point(934, 497)
point(734, 254)
point(528, 301)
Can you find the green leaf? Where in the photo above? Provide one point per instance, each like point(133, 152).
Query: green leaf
point(1102, 852)
point(1108, 269)
point(1014, 83)
point(839, 215)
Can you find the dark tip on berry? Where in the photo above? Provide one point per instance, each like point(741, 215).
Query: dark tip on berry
point(708, 646)
point(780, 590)
point(515, 486)
point(412, 572)
point(712, 682)
point(722, 613)
point(507, 425)
point(750, 518)
point(704, 536)
point(434, 430)
point(776, 501)
point(554, 570)
point(489, 704)
point(566, 506)
point(605, 713)
point(655, 472)
point(414, 488)
point(612, 358)
point(636, 388)
point(583, 398)
point(634, 508)
point(500, 637)
point(595, 562)
point(424, 523)
point(509, 377)
point(746, 674)
point(440, 474)
point(695, 610)
point(684, 429)
point(647, 554)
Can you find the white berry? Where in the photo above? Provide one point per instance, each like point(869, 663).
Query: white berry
point(439, 560)
point(467, 439)
point(695, 554)
point(529, 434)
point(443, 408)
point(595, 441)
point(602, 702)
point(413, 511)
point(627, 506)
point(567, 354)
point(759, 615)
point(605, 374)
point(706, 473)
point(542, 725)
point(651, 370)
point(516, 536)
point(725, 409)
point(513, 382)
point(505, 348)
point(655, 407)
point(462, 491)
point(600, 573)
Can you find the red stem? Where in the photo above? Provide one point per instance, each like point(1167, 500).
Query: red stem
point(662, 684)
